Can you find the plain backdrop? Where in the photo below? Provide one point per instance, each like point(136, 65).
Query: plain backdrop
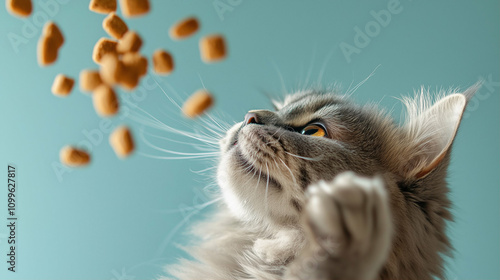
point(122, 219)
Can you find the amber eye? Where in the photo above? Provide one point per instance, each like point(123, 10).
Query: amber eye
point(314, 129)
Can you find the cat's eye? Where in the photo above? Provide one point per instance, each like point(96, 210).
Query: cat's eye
point(314, 129)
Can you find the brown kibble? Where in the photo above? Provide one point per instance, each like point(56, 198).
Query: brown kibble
point(111, 68)
point(136, 61)
point(105, 101)
point(20, 8)
point(49, 44)
point(198, 103)
point(102, 6)
point(90, 80)
point(212, 48)
point(129, 79)
point(74, 157)
point(62, 85)
point(133, 8)
point(184, 28)
point(114, 26)
point(47, 51)
point(163, 62)
point(121, 141)
point(51, 30)
point(130, 42)
point(102, 47)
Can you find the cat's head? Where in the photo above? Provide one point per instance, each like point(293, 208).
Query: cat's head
point(270, 158)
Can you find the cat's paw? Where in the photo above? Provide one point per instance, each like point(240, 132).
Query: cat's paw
point(349, 217)
point(270, 251)
point(281, 248)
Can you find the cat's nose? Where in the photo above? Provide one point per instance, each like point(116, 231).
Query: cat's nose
point(251, 117)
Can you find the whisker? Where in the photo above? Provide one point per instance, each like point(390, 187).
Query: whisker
point(291, 173)
point(306, 158)
point(362, 82)
point(165, 157)
point(162, 126)
point(174, 152)
point(169, 98)
point(197, 146)
point(203, 170)
point(267, 187)
point(258, 181)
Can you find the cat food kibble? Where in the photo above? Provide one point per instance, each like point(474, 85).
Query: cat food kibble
point(47, 51)
point(129, 79)
point(198, 103)
point(212, 48)
point(111, 68)
point(136, 61)
point(20, 8)
point(74, 157)
point(163, 62)
point(89, 80)
point(51, 30)
point(49, 44)
point(102, 47)
point(130, 42)
point(62, 85)
point(133, 8)
point(114, 26)
point(105, 101)
point(121, 141)
point(102, 6)
point(184, 28)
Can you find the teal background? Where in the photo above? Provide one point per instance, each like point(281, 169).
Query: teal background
point(121, 219)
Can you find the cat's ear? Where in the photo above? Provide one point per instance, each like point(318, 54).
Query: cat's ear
point(431, 130)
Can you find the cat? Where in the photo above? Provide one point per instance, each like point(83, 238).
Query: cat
point(322, 188)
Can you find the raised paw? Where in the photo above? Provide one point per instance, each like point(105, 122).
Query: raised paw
point(281, 248)
point(349, 217)
point(270, 251)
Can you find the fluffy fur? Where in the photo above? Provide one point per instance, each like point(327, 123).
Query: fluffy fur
point(368, 201)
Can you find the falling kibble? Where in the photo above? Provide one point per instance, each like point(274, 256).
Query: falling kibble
point(184, 28)
point(212, 48)
point(136, 61)
point(105, 101)
point(51, 30)
point(89, 80)
point(102, 6)
point(121, 141)
point(111, 69)
point(197, 103)
point(74, 157)
point(49, 44)
point(114, 26)
point(20, 8)
point(102, 47)
point(129, 78)
point(163, 63)
point(130, 42)
point(62, 85)
point(47, 51)
point(134, 8)
point(120, 64)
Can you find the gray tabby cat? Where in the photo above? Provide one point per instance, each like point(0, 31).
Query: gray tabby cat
point(324, 189)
